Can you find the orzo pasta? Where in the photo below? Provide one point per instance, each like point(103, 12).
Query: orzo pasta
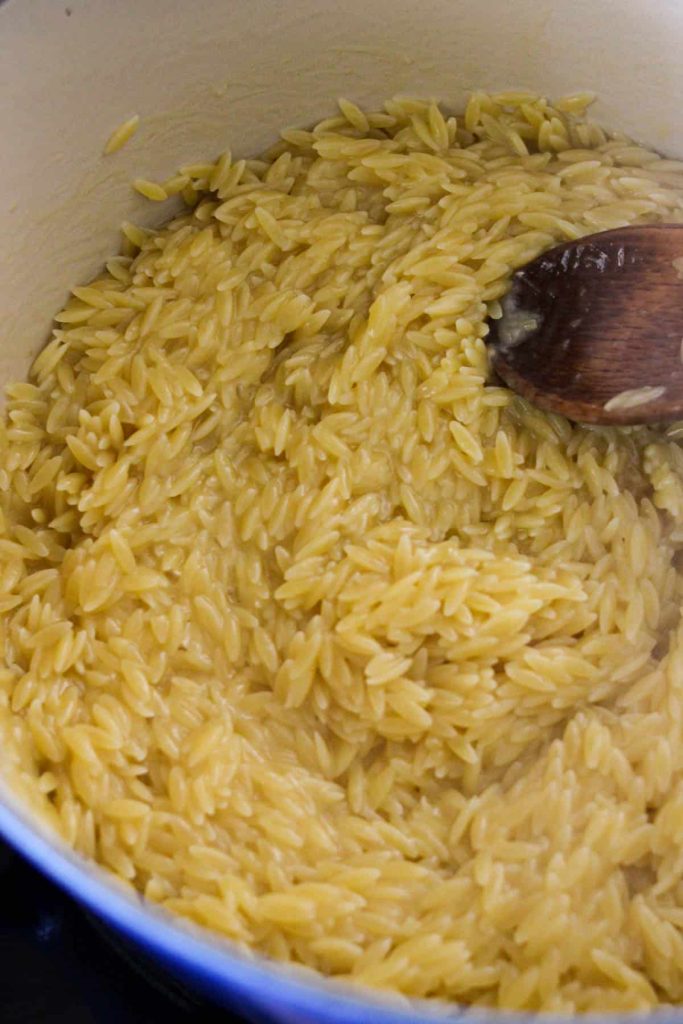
point(312, 632)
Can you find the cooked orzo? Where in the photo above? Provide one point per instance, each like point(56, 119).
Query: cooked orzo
point(312, 632)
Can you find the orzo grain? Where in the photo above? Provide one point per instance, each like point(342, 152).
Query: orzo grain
point(120, 136)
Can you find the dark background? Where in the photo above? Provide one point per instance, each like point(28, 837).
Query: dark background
point(58, 964)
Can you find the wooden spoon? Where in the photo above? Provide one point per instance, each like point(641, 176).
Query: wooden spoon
point(594, 319)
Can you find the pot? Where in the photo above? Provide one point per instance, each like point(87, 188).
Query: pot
point(203, 76)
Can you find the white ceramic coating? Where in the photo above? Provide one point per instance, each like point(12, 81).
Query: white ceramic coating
point(210, 73)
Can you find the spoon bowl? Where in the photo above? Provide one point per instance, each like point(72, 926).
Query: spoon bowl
point(593, 329)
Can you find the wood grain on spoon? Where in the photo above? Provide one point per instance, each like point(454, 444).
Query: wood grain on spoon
point(594, 318)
